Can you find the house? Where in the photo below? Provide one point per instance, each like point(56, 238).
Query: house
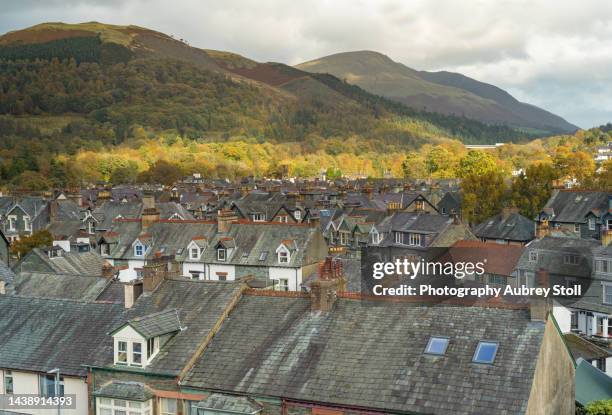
point(450, 203)
point(77, 260)
point(584, 349)
point(39, 335)
point(22, 216)
point(338, 354)
point(509, 227)
point(581, 213)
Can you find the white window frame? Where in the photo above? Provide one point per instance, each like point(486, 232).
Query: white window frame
point(27, 225)
point(104, 249)
point(130, 353)
point(259, 217)
point(533, 256)
point(606, 292)
point(8, 374)
point(142, 248)
point(297, 215)
point(164, 410)
point(591, 221)
point(110, 406)
point(414, 239)
point(283, 256)
point(221, 254)
point(399, 238)
point(375, 237)
point(194, 252)
point(124, 361)
point(343, 238)
point(11, 220)
point(281, 284)
point(134, 353)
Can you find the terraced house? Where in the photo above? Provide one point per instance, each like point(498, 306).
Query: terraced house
point(274, 255)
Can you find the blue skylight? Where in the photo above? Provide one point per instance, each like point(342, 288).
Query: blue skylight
point(485, 352)
point(437, 345)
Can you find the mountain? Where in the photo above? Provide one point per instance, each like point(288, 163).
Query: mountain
point(443, 92)
point(69, 86)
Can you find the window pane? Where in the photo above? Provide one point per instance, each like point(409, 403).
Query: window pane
point(134, 404)
point(106, 411)
point(119, 402)
point(105, 401)
point(485, 352)
point(437, 345)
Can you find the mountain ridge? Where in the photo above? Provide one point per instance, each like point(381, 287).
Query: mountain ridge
point(442, 91)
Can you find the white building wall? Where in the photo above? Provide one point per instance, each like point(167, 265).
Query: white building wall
point(28, 383)
point(129, 274)
point(292, 275)
point(213, 269)
point(193, 266)
point(563, 316)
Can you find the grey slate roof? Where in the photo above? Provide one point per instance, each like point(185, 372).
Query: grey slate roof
point(40, 334)
point(66, 286)
point(6, 274)
point(571, 206)
point(131, 391)
point(226, 403)
point(370, 355)
point(157, 324)
point(199, 305)
point(514, 227)
point(88, 263)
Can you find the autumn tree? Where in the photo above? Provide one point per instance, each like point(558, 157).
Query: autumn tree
point(476, 163)
point(483, 196)
point(532, 189)
point(26, 243)
point(414, 166)
point(574, 164)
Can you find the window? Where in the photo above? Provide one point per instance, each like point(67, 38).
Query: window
point(222, 276)
point(574, 321)
point(104, 249)
point(167, 406)
point(8, 382)
point(137, 354)
point(343, 238)
point(609, 224)
point(194, 253)
point(607, 294)
point(138, 250)
point(107, 406)
point(576, 227)
point(282, 285)
point(571, 259)
point(26, 223)
point(47, 385)
point(195, 275)
point(601, 265)
point(283, 257)
point(600, 326)
point(259, 217)
point(263, 255)
point(221, 254)
point(399, 238)
point(420, 205)
point(283, 219)
point(90, 227)
point(152, 347)
point(436, 345)
point(375, 238)
point(122, 353)
point(297, 215)
point(414, 239)
point(609, 327)
point(497, 279)
point(533, 256)
point(12, 219)
point(443, 211)
point(591, 224)
point(485, 352)
point(601, 364)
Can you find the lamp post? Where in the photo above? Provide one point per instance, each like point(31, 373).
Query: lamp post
point(56, 371)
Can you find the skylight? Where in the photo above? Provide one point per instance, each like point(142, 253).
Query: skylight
point(437, 345)
point(485, 352)
point(263, 256)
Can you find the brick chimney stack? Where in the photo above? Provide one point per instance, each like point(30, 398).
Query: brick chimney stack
point(108, 271)
point(131, 291)
point(150, 214)
point(323, 292)
point(539, 306)
point(225, 218)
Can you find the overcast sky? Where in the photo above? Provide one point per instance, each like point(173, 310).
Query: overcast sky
point(556, 54)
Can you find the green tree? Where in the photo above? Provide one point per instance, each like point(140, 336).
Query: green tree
point(414, 166)
point(483, 196)
point(599, 408)
point(26, 243)
point(531, 189)
point(31, 180)
point(162, 172)
point(476, 162)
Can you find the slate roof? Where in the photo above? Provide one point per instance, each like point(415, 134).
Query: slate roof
point(41, 334)
point(157, 324)
point(591, 383)
point(66, 286)
point(498, 259)
point(572, 206)
point(88, 263)
point(584, 349)
point(512, 227)
point(199, 303)
point(370, 355)
point(233, 404)
point(131, 391)
point(6, 274)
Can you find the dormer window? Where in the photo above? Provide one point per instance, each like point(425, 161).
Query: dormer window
point(90, 228)
point(138, 250)
point(121, 355)
point(297, 215)
point(27, 224)
point(375, 237)
point(399, 238)
point(221, 254)
point(414, 239)
point(104, 249)
point(194, 253)
point(283, 257)
point(259, 217)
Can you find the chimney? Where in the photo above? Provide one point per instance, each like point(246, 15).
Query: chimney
point(150, 214)
point(455, 218)
point(323, 291)
point(225, 217)
point(53, 206)
point(507, 211)
point(108, 271)
point(76, 198)
point(131, 292)
point(542, 229)
point(539, 306)
point(2, 287)
point(155, 271)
